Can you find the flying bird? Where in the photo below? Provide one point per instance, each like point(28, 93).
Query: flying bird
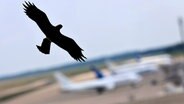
point(52, 33)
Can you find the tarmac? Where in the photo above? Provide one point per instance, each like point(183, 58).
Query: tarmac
point(144, 93)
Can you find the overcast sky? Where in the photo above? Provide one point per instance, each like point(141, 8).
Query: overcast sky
point(100, 27)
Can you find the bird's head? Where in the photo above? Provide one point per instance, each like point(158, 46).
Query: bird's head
point(58, 27)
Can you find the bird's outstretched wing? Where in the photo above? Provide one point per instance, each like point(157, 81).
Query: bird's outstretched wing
point(36, 15)
point(75, 51)
point(71, 47)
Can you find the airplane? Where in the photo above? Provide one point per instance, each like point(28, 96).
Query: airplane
point(101, 84)
point(143, 65)
point(139, 68)
point(163, 59)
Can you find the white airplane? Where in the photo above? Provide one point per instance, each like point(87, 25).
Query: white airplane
point(136, 68)
point(163, 59)
point(100, 85)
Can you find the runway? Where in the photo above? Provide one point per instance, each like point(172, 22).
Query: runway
point(122, 95)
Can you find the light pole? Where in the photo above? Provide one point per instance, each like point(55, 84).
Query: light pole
point(180, 24)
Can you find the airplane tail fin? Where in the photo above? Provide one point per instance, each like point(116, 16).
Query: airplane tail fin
point(97, 72)
point(62, 79)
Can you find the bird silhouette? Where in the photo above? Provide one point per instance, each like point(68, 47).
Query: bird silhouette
point(52, 33)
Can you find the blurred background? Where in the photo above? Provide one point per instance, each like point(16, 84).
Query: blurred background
point(134, 50)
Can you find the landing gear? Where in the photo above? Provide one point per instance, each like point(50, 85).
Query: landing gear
point(100, 90)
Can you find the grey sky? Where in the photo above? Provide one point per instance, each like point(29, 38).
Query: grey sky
point(100, 27)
